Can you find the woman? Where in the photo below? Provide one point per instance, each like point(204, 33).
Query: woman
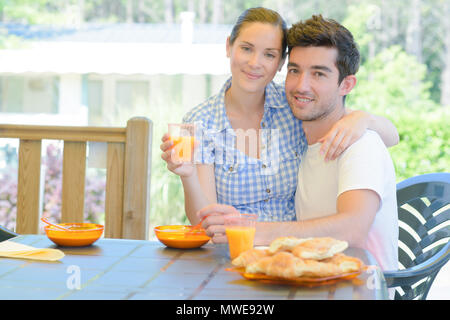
point(230, 172)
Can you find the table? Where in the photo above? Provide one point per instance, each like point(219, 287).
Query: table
point(137, 269)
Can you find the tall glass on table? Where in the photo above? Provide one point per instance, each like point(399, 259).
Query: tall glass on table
point(240, 230)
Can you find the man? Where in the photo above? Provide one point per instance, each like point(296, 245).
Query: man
point(352, 198)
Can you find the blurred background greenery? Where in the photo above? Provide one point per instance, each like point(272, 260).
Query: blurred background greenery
point(404, 75)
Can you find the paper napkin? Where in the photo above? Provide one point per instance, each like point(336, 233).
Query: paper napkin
point(10, 249)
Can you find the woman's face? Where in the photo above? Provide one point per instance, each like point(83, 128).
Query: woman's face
point(255, 56)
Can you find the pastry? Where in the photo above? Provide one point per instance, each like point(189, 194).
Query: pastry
point(282, 264)
point(345, 263)
point(285, 244)
point(291, 258)
point(249, 256)
point(286, 265)
point(319, 248)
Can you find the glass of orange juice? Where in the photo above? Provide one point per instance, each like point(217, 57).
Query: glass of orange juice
point(240, 230)
point(182, 136)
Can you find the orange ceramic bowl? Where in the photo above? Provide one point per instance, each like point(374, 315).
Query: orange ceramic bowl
point(177, 236)
point(80, 234)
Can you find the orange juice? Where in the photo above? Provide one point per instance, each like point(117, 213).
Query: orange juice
point(184, 148)
point(240, 239)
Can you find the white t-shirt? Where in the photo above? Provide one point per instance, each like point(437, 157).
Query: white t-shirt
point(364, 165)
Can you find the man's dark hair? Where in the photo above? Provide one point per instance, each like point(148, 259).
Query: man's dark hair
point(320, 32)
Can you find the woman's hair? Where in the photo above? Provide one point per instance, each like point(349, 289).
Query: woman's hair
point(320, 32)
point(262, 15)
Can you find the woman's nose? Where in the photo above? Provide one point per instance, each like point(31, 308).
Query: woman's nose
point(254, 60)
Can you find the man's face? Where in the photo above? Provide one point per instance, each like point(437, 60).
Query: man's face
point(312, 88)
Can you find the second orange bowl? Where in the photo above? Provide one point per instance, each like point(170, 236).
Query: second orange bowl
point(177, 236)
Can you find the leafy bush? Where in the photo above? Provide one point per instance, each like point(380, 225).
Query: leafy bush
point(393, 81)
point(424, 143)
point(94, 189)
point(8, 200)
point(394, 84)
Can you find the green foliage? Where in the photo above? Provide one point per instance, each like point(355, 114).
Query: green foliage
point(390, 82)
point(424, 143)
point(394, 84)
point(357, 22)
point(39, 11)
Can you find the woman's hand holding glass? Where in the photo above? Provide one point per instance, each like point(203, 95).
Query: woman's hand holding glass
point(182, 169)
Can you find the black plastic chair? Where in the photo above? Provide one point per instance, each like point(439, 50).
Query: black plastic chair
point(423, 208)
point(6, 234)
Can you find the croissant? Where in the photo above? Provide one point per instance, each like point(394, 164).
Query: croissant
point(345, 263)
point(282, 264)
point(286, 265)
point(285, 244)
point(319, 248)
point(249, 256)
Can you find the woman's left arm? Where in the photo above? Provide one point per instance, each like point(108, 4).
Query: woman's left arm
point(351, 127)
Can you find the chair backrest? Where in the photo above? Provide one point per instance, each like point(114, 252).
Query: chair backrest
point(128, 166)
point(424, 214)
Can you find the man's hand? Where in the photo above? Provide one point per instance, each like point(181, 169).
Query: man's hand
point(344, 133)
point(214, 223)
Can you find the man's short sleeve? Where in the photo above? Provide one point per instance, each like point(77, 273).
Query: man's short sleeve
point(363, 165)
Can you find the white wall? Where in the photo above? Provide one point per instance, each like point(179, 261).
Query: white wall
point(70, 99)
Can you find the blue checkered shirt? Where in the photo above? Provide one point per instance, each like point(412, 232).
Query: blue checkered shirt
point(267, 185)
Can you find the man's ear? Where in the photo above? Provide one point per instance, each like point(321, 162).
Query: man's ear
point(347, 84)
point(228, 46)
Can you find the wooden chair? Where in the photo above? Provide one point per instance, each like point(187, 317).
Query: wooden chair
point(127, 178)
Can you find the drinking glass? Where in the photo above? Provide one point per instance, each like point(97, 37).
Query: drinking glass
point(240, 230)
point(182, 136)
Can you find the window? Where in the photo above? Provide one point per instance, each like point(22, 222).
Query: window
point(29, 94)
point(131, 96)
point(95, 101)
